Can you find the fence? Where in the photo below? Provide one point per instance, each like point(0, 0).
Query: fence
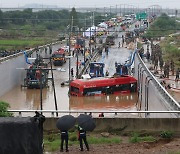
point(94, 113)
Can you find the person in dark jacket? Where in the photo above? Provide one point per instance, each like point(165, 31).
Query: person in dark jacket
point(177, 75)
point(72, 72)
point(82, 137)
point(64, 137)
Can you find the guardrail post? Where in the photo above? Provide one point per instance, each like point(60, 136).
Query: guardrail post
point(147, 105)
point(138, 80)
point(139, 87)
point(146, 91)
point(52, 114)
point(20, 114)
point(142, 82)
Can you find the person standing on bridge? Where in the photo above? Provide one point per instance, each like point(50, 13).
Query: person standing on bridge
point(156, 63)
point(161, 63)
point(172, 66)
point(148, 53)
point(166, 70)
point(177, 75)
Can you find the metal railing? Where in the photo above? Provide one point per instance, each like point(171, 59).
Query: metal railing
point(171, 101)
point(53, 112)
point(10, 57)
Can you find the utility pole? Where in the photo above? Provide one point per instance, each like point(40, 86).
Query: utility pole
point(41, 89)
point(93, 18)
point(95, 33)
point(116, 10)
point(90, 34)
point(104, 11)
point(77, 63)
point(120, 9)
point(55, 100)
point(110, 11)
point(84, 40)
point(70, 49)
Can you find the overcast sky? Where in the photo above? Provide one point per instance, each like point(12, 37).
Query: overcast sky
point(92, 3)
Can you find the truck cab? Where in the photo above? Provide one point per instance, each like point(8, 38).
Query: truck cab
point(59, 57)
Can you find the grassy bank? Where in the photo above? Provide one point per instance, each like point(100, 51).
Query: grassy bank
point(52, 141)
point(20, 43)
point(162, 26)
point(171, 49)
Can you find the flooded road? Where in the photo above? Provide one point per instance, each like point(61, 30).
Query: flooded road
point(23, 98)
point(107, 102)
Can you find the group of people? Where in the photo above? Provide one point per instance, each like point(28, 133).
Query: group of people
point(156, 56)
point(81, 138)
point(157, 60)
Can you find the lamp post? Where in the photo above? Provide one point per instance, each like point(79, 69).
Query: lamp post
point(84, 42)
point(90, 33)
point(110, 11)
point(77, 69)
point(70, 50)
point(104, 11)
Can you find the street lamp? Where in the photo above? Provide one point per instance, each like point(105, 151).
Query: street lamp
point(70, 50)
point(77, 62)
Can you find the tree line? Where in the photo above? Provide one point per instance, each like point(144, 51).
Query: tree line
point(162, 26)
point(46, 19)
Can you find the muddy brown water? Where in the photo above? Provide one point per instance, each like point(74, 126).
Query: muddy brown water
point(22, 98)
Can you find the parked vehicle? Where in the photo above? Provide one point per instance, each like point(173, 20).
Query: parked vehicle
point(58, 57)
point(110, 40)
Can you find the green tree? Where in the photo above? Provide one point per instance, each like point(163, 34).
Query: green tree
point(4, 109)
point(98, 19)
point(164, 25)
point(1, 17)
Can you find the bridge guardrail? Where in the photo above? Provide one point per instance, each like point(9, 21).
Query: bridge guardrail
point(20, 53)
point(53, 112)
point(10, 56)
point(172, 102)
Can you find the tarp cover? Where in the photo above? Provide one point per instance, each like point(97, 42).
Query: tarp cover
point(20, 136)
